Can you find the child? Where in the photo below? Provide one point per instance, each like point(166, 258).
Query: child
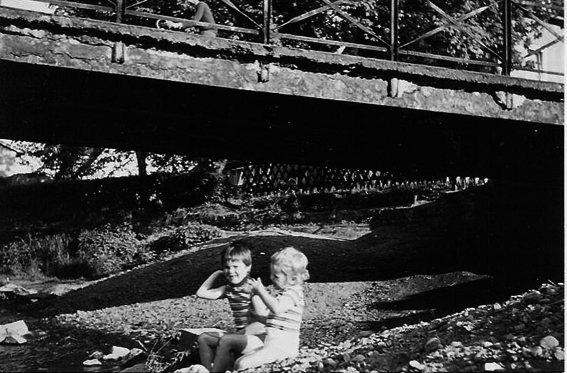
point(288, 272)
point(236, 261)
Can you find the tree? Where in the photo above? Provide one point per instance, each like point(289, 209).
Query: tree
point(63, 162)
point(477, 33)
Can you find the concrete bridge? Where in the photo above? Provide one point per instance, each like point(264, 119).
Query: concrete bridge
point(101, 84)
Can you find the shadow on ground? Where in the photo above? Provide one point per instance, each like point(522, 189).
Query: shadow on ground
point(491, 230)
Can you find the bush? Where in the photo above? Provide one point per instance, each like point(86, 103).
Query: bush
point(35, 255)
point(108, 250)
point(183, 237)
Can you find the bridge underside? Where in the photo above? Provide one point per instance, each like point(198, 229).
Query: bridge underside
point(99, 84)
point(59, 105)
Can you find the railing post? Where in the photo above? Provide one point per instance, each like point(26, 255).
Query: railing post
point(120, 9)
point(267, 20)
point(394, 28)
point(507, 37)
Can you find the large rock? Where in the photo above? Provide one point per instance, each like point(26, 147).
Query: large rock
point(15, 328)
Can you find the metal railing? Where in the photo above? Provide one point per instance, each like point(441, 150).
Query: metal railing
point(389, 37)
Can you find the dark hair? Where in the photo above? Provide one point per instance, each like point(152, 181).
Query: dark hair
point(237, 250)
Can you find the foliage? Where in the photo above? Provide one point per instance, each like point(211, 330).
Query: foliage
point(182, 238)
point(416, 17)
point(108, 250)
point(75, 162)
point(35, 255)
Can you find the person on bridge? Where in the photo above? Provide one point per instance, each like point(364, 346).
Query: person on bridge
point(202, 14)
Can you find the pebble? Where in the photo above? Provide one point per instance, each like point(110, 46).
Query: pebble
point(532, 297)
point(432, 344)
point(537, 351)
point(491, 367)
point(549, 342)
point(91, 362)
point(358, 358)
point(416, 365)
point(329, 362)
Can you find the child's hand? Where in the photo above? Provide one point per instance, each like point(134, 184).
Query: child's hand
point(257, 285)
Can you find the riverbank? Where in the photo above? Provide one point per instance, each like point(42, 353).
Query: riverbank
point(374, 281)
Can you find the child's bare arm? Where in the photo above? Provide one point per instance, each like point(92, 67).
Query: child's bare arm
point(207, 291)
point(259, 309)
point(277, 306)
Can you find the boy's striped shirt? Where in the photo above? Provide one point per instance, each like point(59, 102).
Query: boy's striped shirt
point(240, 298)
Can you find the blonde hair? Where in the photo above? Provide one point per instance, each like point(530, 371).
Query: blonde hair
point(293, 263)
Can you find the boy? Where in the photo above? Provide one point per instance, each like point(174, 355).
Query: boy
point(247, 309)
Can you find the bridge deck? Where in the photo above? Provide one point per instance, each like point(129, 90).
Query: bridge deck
point(70, 80)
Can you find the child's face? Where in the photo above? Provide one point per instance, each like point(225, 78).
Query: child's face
point(235, 270)
point(279, 278)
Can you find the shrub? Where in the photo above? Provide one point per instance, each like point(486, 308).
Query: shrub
point(183, 237)
point(35, 255)
point(108, 250)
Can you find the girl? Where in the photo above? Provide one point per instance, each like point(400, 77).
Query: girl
point(288, 272)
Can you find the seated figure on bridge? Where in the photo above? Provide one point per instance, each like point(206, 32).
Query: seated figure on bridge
point(202, 14)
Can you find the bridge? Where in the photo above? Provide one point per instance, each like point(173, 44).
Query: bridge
point(92, 82)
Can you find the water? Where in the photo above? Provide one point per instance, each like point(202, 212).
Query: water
point(49, 348)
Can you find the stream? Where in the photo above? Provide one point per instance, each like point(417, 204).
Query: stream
point(48, 348)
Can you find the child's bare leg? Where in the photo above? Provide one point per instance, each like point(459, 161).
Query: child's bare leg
point(207, 344)
point(228, 344)
point(263, 356)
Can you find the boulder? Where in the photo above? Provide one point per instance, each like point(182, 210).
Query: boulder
point(14, 340)
point(91, 362)
point(18, 328)
point(117, 353)
point(13, 289)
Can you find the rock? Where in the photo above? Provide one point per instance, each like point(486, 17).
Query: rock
point(432, 345)
point(135, 357)
point(532, 297)
point(537, 351)
point(16, 328)
point(380, 346)
point(16, 290)
point(96, 355)
point(559, 354)
point(197, 368)
point(117, 353)
point(14, 340)
point(358, 358)
point(491, 367)
point(91, 362)
point(416, 365)
point(549, 342)
point(120, 351)
point(365, 333)
point(329, 362)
